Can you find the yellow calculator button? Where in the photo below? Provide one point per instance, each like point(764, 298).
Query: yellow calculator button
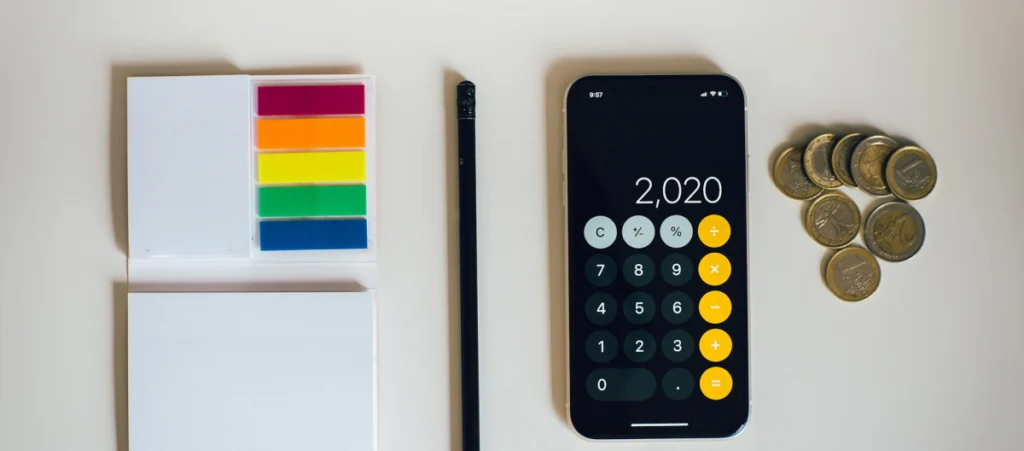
point(714, 269)
point(714, 231)
point(716, 383)
point(715, 307)
point(715, 345)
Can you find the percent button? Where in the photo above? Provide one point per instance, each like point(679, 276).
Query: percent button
point(676, 231)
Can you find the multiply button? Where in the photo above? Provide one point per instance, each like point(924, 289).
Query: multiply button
point(714, 231)
point(676, 231)
point(715, 307)
point(600, 232)
point(621, 384)
point(715, 345)
point(638, 232)
point(714, 269)
point(716, 383)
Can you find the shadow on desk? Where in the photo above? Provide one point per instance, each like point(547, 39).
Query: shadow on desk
point(560, 75)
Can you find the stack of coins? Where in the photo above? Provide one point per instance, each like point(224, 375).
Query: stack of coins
point(876, 165)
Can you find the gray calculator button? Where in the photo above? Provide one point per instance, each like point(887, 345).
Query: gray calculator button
point(677, 307)
point(638, 308)
point(638, 232)
point(601, 270)
point(602, 346)
point(678, 384)
point(677, 345)
point(676, 269)
point(600, 232)
point(638, 269)
point(601, 308)
point(639, 346)
point(676, 231)
point(621, 384)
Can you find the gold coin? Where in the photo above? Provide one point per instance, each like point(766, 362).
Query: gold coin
point(910, 173)
point(867, 164)
point(852, 274)
point(841, 158)
point(790, 177)
point(894, 231)
point(833, 219)
point(818, 161)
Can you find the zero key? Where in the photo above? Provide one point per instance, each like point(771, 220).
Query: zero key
point(621, 384)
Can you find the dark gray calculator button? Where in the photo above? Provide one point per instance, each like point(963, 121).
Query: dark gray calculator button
point(677, 345)
point(678, 384)
point(602, 346)
point(621, 384)
point(677, 269)
point(639, 346)
point(601, 308)
point(638, 308)
point(677, 307)
point(638, 269)
point(601, 270)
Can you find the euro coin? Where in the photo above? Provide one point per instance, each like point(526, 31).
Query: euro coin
point(833, 219)
point(818, 161)
point(852, 274)
point(867, 164)
point(790, 177)
point(841, 158)
point(910, 173)
point(894, 231)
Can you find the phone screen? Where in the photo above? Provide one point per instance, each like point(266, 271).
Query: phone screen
point(656, 204)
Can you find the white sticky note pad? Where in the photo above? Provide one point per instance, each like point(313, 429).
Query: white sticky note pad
point(188, 166)
point(251, 371)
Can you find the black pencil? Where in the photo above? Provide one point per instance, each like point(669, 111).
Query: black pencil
point(466, 113)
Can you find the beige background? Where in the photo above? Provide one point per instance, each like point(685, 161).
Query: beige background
point(933, 361)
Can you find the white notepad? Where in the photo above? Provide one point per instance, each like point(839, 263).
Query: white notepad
point(252, 263)
point(251, 371)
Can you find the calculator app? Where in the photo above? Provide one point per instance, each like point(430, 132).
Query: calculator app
point(656, 202)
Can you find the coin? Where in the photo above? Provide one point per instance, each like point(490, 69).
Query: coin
point(852, 274)
point(841, 158)
point(894, 231)
point(867, 164)
point(818, 161)
point(833, 219)
point(790, 177)
point(910, 173)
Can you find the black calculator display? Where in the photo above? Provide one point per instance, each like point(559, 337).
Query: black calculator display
point(656, 206)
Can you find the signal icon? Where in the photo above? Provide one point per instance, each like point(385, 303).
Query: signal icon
point(704, 94)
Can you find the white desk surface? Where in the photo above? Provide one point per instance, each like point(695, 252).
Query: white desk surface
point(933, 361)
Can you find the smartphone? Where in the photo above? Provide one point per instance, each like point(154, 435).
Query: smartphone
point(655, 198)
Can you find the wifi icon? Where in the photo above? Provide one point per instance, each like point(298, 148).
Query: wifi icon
point(713, 93)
